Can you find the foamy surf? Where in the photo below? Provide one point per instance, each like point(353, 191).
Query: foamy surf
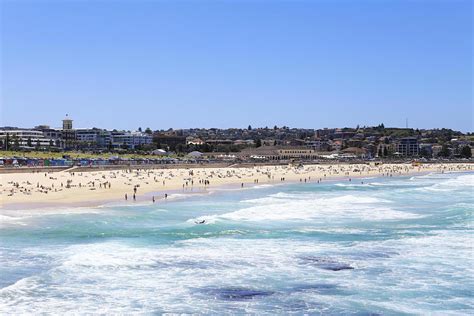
point(298, 248)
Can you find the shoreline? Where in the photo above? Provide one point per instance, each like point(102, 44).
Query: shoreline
point(180, 181)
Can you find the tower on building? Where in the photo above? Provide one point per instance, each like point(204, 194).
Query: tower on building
point(67, 123)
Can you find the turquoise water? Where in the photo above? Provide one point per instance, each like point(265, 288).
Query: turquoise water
point(388, 246)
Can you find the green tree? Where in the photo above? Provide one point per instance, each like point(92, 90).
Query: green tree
point(385, 151)
point(258, 142)
point(7, 141)
point(249, 128)
point(424, 153)
point(466, 152)
point(16, 142)
point(51, 143)
point(380, 152)
point(28, 142)
point(180, 148)
point(445, 152)
point(148, 131)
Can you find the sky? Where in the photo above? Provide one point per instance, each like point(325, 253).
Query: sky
point(180, 64)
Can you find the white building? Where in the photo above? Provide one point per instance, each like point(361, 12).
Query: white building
point(25, 138)
point(194, 141)
point(130, 139)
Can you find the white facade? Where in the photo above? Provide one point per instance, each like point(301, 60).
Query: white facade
point(131, 140)
point(23, 136)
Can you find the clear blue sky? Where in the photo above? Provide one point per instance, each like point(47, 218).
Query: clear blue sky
point(160, 64)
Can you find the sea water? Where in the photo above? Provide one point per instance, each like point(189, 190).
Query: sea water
point(389, 246)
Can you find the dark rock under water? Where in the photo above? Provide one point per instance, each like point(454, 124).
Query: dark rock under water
point(326, 264)
point(236, 293)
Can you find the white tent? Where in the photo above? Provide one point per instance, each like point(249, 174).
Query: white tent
point(195, 154)
point(159, 152)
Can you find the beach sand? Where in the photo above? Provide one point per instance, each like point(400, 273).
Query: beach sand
point(69, 188)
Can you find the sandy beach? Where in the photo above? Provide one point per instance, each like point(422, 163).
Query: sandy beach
point(72, 188)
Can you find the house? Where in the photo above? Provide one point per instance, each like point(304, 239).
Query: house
point(194, 141)
point(356, 151)
point(337, 145)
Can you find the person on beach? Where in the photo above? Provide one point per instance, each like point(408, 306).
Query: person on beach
point(153, 199)
point(126, 197)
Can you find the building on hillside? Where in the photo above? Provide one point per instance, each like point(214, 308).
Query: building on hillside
point(169, 141)
point(194, 141)
point(407, 147)
point(459, 144)
point(25, 138)
point(356, 152)
point(278, 153)
point(130, 140)
point(94, 137)
point(219, 142)
point(245, 142)
point(426, 149)
point(354, 142)
point(325, 132)
point(341, 134)
point(436, 149)
point(269, 142)
point(318, 145)
point(51, 133)
point(337, 144)
point(87, 135)
point(384, 150)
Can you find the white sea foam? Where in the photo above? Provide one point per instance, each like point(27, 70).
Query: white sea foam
point(113, 277)
point(26, 217)
point(6, 218)
point(310, 206)
point(465, 181)
point(425, 271)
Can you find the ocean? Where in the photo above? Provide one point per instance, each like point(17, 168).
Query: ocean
point(372, 246)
